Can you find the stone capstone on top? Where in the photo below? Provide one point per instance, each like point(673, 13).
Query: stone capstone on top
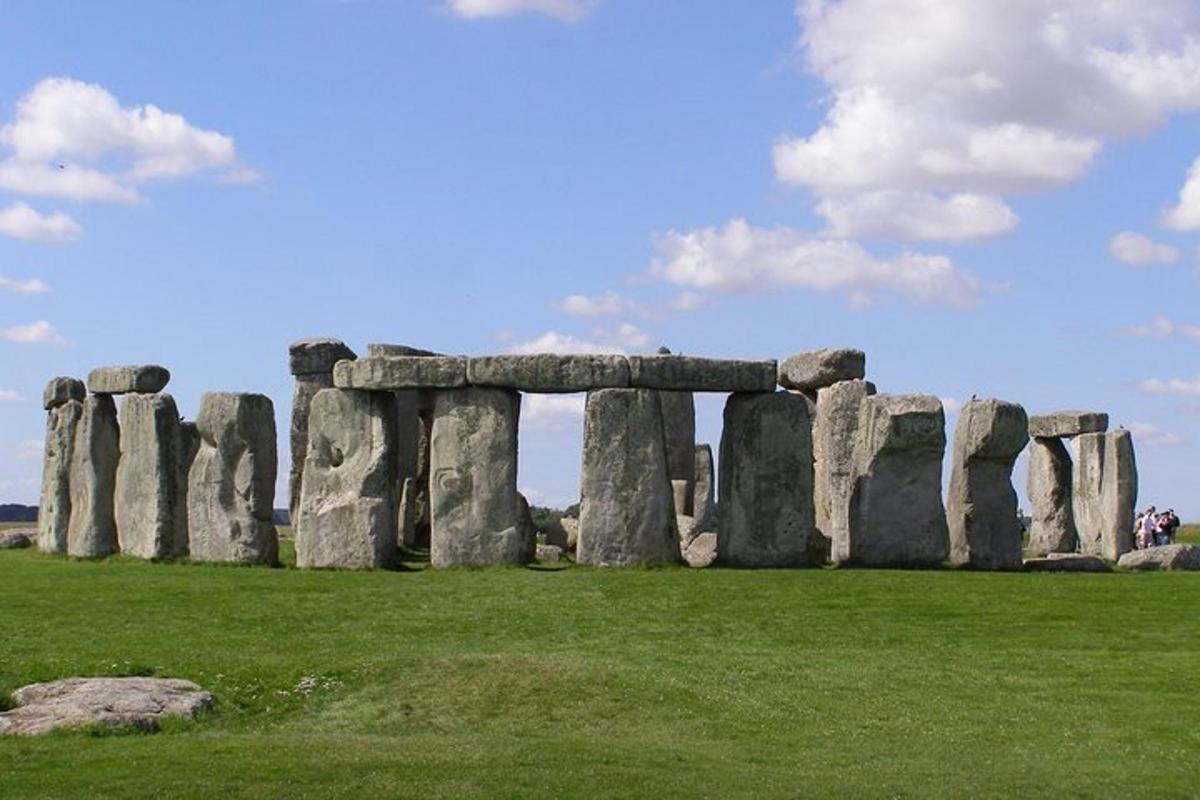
point(62, 390)
point(691, 374)
point(549, 373)
point(1067, 423)
point(816, 369)
point(392, 350)
point(390, 373)
point(311, 356)
point(75, 702)
point(138, 379)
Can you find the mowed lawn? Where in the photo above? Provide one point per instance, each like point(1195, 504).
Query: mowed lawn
point(622, 683)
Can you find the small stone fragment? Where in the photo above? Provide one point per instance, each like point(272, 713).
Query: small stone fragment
point(316, 356)
point(139, 379)
point(704, 503)
point(816, 369)
point(701, 551)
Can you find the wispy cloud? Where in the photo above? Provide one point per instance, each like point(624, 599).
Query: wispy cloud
point(1139, 251)
point(551, 412)
point(1176, 386)
point(22, 222)
point(562, 10)
point(9, 395)
point(40, 332)
point(622, 339)
point(1149, 434)
point(1161, 327)
point(30, 286)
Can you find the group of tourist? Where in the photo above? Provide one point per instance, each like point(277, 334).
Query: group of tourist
point(1153, 529)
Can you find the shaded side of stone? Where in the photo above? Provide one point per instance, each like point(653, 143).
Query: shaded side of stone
point(704, 490)
point(691, 374)
point(679, 428)
point(1052, 529)
point(54, 511)
point(304, 389)
point(316, 356)
point(149, 504)
point(92, 530)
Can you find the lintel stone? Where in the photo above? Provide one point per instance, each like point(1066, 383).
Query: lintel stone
point(1067, 423)
point(139, 379)
point(693, 374)
point(550, 373)
point(816, 369)
point(390, 373)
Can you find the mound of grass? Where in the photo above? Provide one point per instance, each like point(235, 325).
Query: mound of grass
point(622, 683)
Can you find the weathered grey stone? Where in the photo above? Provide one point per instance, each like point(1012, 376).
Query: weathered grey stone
point(701, 551)
point(92, 530)
point(348, 497)
point(1067, 562)
point(60, 391)
point(896, 514)
point(1086, 486)
point(817, 369)
point(304, 389)
point(1163, 557)
point(231, 484)
point(386, 350)
point(405, 514)
point(1067, 423)
point(137, 379)
point(679, 430)
point(765, 484)
point(75, 702)
point(704, 504)
point(835, 431)
point(681, 498)
point(17, 538)
point(1052, 529)
point(149, 503)
point(1118, 494)
point(626, 513)
point(687, 528)
point(54, 512)
point(690, 374)
point(551, 373)
point(384, 373)
point(982, 505)
point(316, 356)
point(478, 517)
point(549, 553)
point(570, 526)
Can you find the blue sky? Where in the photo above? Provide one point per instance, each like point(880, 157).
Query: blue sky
point(990, 199)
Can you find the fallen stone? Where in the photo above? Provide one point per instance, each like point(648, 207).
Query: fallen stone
point(316, 356)
point(1052, 529)
point(75, 702)
point(549, 553)
point(149, 502)
point(231, 484)
point(141, 379)
point(478, 517)
point(690, 374)
point(348, 498)
point(981, 508)
point(704, 504)
point(1067, 562)
point(60, 391)
point(896, 515)
point(92, 529)
point(550, 373)
point(835, 430)
point(17, 538)
point(765, 484)
point(401, 372)
point(1163, 557)
point(701, 551)
point(626, 513)
point(1067, 423)
point(817, 369)
point(54, 511)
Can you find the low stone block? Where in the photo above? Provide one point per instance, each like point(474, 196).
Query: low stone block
point(1067, 562)
point(387, 373)
point(1067, 423)
point(140, 379)
point(1164, 557)
point(231, 483)
point(690, 374)
point(54, 511)
point(17, 538)
point(60, 391)
point(150, 503)
point(316, 356)
point(92, 529)
point(549, 373)
point(75, 702)
point(549, 553)
point(701, 551)
point(816, 369)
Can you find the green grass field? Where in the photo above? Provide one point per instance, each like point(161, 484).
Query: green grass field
point(569, 682)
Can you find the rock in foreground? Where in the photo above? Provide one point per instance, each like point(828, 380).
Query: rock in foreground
point(17, 538)
point(1164, 557)
point(73, 702)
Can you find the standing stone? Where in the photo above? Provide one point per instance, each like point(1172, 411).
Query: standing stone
point(982, 506)
point(405, 513)
point(835, 431)
point(1086, 489)
point(231, 485)
point(348, 496)
point(626, 514)
point(679, 429)
point(92, 530)
point(1118, 495)
point(704, 504)
point(149, 504)
point(1052, 529)
point(311, 363)
point(896, 515)
point(766, 481)
point(478, 518)
point(54, 514)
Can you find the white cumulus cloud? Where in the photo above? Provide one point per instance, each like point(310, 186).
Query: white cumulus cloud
point(1149, 434)
point(1178, 386)
point(551, 412)
point(739, 257)
point(22, 222)
point(609, 304)
point(951, 104)
point(1135, 249)
point(563, 10)
point(29, 286)
point(40, 332)
point(1161, 327)
point(9, 395)
point(1185, 215)
point(622, 339)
